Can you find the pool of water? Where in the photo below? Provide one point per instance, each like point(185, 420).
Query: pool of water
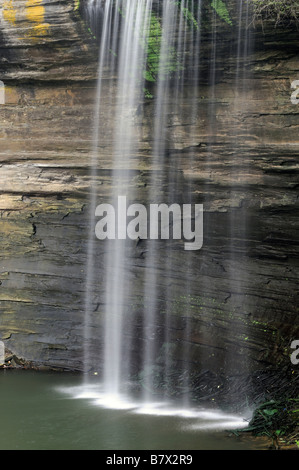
point(49, 411)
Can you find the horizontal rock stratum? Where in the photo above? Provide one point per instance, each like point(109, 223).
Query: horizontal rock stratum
point(245, 164)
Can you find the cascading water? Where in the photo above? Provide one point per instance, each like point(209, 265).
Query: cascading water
point(162, 112)
point(145, 43)
point(239, 170)
point(178, 40)
point(92, 13)
point(134, 34)
point(125, 29)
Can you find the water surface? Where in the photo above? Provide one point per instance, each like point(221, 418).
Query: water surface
point(49, 411)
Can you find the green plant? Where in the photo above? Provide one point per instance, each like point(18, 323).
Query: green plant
point(147, 93)
point(188, 14)
point(221, 9)
point(153, 49)
point(276, 419)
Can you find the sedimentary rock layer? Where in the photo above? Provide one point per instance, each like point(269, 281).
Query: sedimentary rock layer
point(244, 171)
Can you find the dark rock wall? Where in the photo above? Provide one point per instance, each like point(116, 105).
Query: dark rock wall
point(240, 298)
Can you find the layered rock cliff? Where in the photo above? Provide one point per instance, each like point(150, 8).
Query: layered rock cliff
point(245, 171)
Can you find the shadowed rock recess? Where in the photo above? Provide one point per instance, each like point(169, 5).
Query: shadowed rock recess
point(242, 310)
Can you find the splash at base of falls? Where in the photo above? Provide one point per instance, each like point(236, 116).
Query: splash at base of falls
point(197, 419)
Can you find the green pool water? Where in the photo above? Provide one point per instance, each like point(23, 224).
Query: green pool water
point(50, 411)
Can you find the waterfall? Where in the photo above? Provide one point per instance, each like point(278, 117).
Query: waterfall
point(146, 43)
point(93, 12)
point(177, 40)
point(130, 84)
point(124, 35)
point(239, 191)
point(151, 288)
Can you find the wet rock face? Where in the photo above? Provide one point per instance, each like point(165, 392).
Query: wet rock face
point(240, 297)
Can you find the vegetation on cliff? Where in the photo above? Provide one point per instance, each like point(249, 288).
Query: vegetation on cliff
point(282, 12)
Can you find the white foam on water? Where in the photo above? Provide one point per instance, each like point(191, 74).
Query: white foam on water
point(217, 425)
point(196, 419)
point(200, 419)
point(97, 397)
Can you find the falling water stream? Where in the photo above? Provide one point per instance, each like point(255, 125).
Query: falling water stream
point(124, 29)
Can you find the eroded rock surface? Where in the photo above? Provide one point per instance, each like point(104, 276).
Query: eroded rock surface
point(241, 296)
